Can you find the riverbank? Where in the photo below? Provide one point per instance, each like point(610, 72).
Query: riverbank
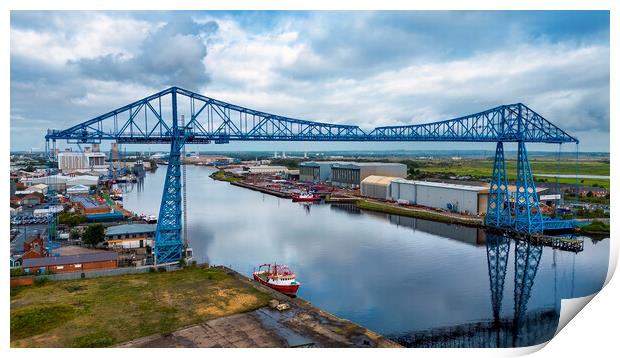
point(420, 213)
point(596, 228)
point(221, 176)
point(148, 310)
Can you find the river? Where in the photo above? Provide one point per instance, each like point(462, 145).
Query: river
point(422, 283)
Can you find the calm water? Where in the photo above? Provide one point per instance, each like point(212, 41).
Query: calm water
point(419, 282)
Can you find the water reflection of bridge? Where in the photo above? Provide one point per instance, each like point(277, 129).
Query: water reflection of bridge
point(521, 329)
point(539, 325)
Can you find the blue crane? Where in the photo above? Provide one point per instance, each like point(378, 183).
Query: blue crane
point(155, 119)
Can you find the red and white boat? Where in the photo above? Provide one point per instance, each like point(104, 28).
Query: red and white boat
point(305, 197)
point(279, 277)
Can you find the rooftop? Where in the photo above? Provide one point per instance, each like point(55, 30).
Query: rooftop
point(130, 229)
point(70, 259)
point(378, 179)
point(365, 164)
point(87, 202)
point(443, 185)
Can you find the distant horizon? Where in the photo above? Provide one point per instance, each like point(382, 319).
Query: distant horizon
point(454, 151)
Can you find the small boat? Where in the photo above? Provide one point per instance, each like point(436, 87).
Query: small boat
point(278, 277)
point(305, 196)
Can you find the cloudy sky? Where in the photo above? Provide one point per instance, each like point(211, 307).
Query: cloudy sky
point(365, 68)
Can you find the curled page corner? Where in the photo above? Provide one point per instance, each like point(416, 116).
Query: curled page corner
point(569, 309)
point(613, 260)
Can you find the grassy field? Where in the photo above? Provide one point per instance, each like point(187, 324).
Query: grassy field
point(109, 310)
point(595, 228)
point(484, 169)
point(221, 175)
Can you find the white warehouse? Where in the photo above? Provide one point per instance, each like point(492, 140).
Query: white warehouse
point(454, 197)
point(466, 199)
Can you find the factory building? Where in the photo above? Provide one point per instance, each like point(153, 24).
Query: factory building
point(351, 174)
point(466, 199)
point(314, 172)
point(375, 186)
point(87, 205)
point(268, 169)
point(81, 160)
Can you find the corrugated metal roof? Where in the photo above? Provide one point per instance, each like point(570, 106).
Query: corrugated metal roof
point(378, 179)
point(366, 164)
point(71, 259)
point(130, 229)
point(443, 185)
point(87, 202)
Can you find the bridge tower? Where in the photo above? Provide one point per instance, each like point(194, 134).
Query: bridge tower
point(498, 206)
point(168, 239)
point(528, 217)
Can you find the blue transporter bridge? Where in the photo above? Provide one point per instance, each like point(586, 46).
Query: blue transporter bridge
point(156, 119)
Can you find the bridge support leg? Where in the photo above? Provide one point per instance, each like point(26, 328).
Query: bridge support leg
point(168, 238)
point(498, 206)
point(528, 217)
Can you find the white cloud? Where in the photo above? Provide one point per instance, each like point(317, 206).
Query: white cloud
point(281, 69)
point(80, 36)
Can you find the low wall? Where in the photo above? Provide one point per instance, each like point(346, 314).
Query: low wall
point(22, 281)
point(28, 280)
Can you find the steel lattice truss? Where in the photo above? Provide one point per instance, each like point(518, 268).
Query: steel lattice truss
point(498, 205)
point(155, 119)
point(528, 217)
point(149, 120)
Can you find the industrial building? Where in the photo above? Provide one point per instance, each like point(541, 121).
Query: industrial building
point(348, 174)
point(78, 190)
point(130, 236)
point(268, 169)
point(376, 186)
point(87, 205)
point(465, 199)
point(81, 160)
point(314, 172)
point(351, 174)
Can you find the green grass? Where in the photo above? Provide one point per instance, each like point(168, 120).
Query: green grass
point(389, 209)
point(93, 340)
point(484, 169)
point(596, 227)
point(35, 320)
point(221, 175)
point(109, 310)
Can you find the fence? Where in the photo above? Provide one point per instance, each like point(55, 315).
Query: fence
point(102, 273)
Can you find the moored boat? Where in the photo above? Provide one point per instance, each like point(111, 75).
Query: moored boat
point(305, 196)
point(279, 277)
